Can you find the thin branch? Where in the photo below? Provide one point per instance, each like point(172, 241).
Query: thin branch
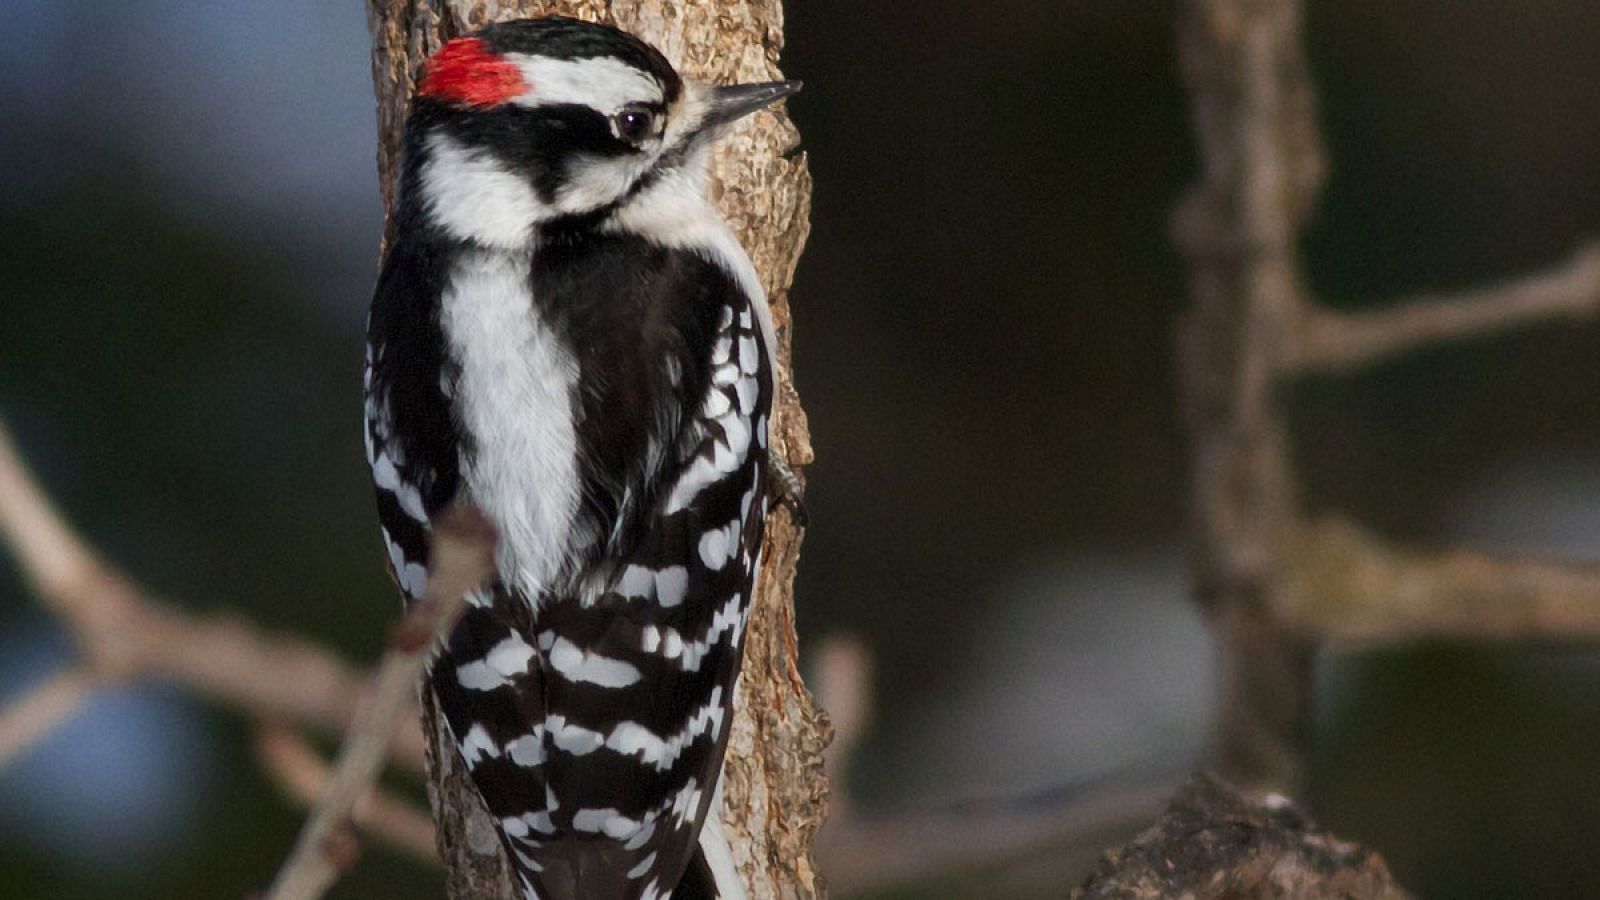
point(123, 631)
point(461, 557)
point(1331, 341)
point(41, 709)
point(1349, 585)
point(866, 854)
point(302, 773)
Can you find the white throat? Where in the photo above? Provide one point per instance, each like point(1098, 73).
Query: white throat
point(514, 396)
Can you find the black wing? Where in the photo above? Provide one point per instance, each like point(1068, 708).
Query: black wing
point(410, 436)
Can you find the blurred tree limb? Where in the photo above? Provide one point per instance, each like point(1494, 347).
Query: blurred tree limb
point(1272, 586)
point(1337, 341)
point(123, 632)
point(1348, 585)
point(774, 790)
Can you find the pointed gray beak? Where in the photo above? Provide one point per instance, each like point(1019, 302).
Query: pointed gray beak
point(729, 104)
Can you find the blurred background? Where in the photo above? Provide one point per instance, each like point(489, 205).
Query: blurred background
point(984, 317)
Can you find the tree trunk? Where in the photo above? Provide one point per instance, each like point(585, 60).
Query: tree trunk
point(774, 791)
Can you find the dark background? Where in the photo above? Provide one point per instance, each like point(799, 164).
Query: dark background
point(188, 230)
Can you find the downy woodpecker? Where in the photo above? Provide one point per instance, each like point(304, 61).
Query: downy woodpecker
point(566, 335)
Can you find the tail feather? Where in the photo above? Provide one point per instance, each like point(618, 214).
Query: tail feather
point(711, 874)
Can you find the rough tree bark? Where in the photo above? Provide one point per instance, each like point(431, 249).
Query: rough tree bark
point(775, 792)
point(1215, 844)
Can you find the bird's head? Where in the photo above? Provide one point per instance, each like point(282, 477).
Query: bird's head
point(535, 121)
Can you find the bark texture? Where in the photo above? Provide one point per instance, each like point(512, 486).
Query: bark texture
point(775, 793)
point(1214, 844)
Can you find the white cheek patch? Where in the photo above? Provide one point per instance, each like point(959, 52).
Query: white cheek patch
point(474, 197)
point(602, 83)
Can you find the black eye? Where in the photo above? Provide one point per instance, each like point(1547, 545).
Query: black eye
point(634, 125)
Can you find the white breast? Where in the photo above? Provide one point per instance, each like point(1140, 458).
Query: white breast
point(514, 399)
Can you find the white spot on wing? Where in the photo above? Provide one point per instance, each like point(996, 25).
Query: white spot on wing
point(665, 586)
point(477, 745)
point(633, 739)
point(730, 618)
point(700, 474)
point(527, 750)
point(510, 656)
point(646, 831)
point(387, 477)
point(672, 584)
point(737, 432)
point(574, 664)
point(717, 404)
point(574, 739)
point(608, 822)
point(717, 546)
point(672, 644)
point(747, 391)
point(747, 354)
point(686, 802)
point(505, 660)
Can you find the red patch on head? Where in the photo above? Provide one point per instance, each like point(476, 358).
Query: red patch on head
point(466, 71)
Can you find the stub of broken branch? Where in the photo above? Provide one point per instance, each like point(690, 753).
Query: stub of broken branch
point(1334, 341)
point(1214, 844)
point(1349, 585)
point(460, 559)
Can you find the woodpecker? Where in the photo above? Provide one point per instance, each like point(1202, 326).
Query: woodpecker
point(567, 336)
